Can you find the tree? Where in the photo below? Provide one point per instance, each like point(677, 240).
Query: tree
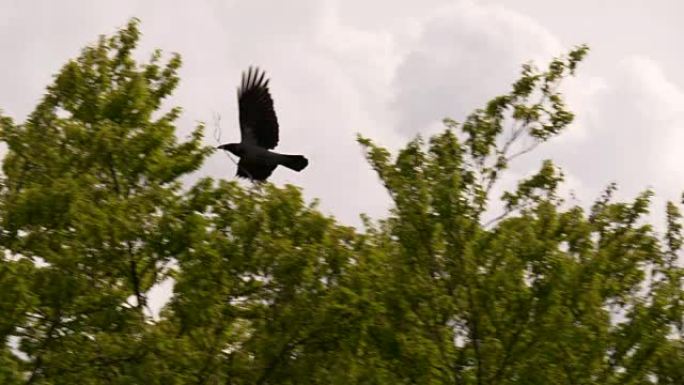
point(270, 291)
point(90, 183)
point(547, 294)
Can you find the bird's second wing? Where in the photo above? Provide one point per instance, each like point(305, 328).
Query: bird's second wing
point(257, 172)
point(258, 121)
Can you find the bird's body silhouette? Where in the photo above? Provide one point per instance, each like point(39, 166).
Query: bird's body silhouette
point(259, 131)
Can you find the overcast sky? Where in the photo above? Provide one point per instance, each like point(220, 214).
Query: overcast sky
point(389, 69)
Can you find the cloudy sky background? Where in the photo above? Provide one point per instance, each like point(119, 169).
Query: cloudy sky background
point(390, 70)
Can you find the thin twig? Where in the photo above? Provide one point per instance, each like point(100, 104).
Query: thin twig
point(217, 127)
point(217, 136)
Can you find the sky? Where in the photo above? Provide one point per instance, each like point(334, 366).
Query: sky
point(389, 69)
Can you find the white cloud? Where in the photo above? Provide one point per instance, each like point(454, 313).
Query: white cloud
point(387, 69)
point(466, 54)
point(631, 126)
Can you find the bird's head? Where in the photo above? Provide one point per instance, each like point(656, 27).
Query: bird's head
point(235, 148)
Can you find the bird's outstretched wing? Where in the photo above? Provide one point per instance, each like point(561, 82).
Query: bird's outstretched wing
point(258, 121)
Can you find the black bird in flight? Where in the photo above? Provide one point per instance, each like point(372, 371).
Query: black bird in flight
point(259, 131)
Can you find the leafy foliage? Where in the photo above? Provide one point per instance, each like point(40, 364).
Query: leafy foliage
point(91, 181)
point(270, 291)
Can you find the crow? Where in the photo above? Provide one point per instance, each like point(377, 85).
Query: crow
point(259, 131)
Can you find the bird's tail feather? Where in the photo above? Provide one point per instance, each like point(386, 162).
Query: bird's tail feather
point(294, 162)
